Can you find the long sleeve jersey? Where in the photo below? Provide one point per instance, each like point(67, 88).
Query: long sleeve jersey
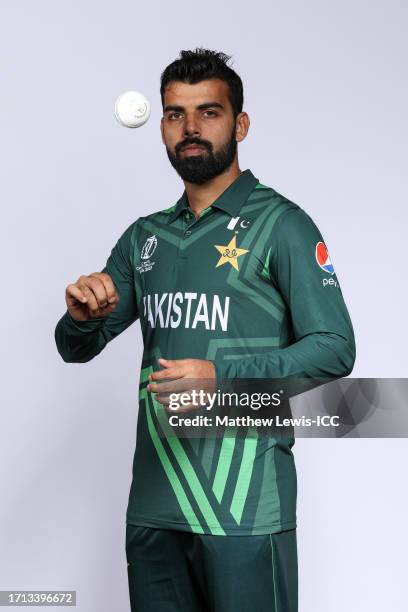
point(250, 286)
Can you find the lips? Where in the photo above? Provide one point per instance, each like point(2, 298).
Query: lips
point(193, 147)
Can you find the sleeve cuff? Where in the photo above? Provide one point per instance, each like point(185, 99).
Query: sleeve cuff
point(78, 328)
point(222, 372)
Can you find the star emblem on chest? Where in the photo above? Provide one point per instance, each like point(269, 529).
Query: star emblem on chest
point(230, 253)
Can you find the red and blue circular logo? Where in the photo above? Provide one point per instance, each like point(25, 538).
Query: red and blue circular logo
point(323, 258)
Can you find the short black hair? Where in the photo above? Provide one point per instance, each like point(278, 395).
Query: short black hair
point(200, 64)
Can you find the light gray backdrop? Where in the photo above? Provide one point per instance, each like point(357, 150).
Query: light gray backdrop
point(326, 90)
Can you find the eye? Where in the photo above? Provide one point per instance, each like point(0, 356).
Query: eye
point(171, 115)
point(212, 113)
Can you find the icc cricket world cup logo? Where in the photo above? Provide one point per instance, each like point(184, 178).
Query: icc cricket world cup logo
point(149, 247)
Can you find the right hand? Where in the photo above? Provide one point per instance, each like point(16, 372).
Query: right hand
point(91, 297)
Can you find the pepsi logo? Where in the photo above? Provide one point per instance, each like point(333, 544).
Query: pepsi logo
point(323, 258)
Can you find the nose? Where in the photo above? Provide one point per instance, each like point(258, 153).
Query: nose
point(191, 127)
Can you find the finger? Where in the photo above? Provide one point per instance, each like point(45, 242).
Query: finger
point(98, 288)
point(104, 312)
point(93, 305)
point(110, 289)
point(174, 386)
point(174, 372)
point(167, 363)
point(74, 294)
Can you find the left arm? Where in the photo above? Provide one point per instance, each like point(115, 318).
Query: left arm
point(324, 339)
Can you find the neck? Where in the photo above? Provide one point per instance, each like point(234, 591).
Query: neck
point(201, 196)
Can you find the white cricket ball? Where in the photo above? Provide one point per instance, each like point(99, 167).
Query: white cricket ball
point(132, 109)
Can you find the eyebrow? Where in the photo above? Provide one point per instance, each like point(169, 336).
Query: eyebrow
point(176, 108)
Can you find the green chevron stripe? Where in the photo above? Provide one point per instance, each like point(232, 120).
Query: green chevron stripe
point(224, 464)
point(244, 475)
point(265, 269)
point(161, 231)
point(218, 343)
point(175, 483)
point(144, 374)
point(269, 481)
point(256, 199)
point(188, 471)
point(227, 357)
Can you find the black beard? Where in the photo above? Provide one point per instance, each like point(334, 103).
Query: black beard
point(199, 169)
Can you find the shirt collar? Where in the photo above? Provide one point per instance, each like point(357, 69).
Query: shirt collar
point(230, 200)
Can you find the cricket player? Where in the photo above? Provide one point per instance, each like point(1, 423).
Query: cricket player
point(232, 281)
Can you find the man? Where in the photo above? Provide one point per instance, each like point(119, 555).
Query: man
point(233, 281)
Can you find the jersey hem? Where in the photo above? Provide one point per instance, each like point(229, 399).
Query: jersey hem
point(174, 525)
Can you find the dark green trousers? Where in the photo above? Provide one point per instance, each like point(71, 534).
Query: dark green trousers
point(176, 571)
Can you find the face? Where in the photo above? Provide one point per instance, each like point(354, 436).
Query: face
point(201, 115)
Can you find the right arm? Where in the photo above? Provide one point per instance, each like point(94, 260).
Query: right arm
point(83, 332)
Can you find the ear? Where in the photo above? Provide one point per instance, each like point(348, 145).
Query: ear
point(242, 123)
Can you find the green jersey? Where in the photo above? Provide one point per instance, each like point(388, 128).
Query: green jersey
point(250, 286)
